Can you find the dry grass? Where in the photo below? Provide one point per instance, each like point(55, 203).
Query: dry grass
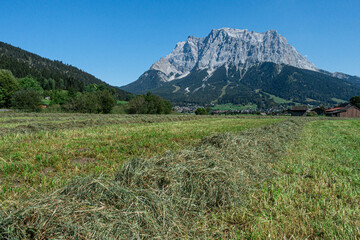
point(171, 196)
point(315, 193)
point(44, 161)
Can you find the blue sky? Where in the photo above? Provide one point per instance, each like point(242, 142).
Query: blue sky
point(118, 40)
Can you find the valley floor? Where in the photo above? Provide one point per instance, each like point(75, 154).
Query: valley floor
point(119, 177)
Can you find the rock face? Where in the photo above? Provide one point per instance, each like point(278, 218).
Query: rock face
point(241, 67)
point(228, 46)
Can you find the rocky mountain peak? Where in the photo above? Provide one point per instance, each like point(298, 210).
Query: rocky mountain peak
point(230, 47)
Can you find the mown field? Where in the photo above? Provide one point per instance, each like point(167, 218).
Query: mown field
point(42, 152)
point(315, 193)
point(78, 176)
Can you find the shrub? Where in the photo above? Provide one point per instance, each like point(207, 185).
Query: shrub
point(28, 99)
point(311, 114)
point(149, 104)
point(58, 97)
point(355, 101)
point(8, 85)
point(90, 102)
point(30, 83)
point(200, 111)
point(106, 101)
point(87, 103)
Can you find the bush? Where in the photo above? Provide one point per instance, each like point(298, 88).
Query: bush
point(106, 101)
point(58, 97)
point(30, 83)
point(8, 85)
point(87, 103)
point(137, 105)
point(90, 102)
point(28, 99)
point(200, 111)
point(355, 101)
point(149, 104)
point(311, 114)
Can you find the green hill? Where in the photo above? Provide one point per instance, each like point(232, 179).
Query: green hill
point(22, 63)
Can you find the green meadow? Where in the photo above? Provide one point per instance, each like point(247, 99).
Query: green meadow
point(85, 176)
point(42, 152)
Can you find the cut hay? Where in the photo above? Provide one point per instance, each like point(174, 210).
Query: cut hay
point(164, 197)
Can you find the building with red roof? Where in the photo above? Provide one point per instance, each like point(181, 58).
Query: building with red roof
point(349, 110)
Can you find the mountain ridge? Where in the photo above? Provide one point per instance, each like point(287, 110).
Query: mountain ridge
point(256, 85)
point(192, 64)
point(229, 46)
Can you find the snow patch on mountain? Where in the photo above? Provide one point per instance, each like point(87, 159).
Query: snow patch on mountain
point(227, 46)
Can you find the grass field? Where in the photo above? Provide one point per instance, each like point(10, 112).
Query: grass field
point(42, 152)
point(124, 177)
point(316, 193)
point(277, 99)
point(229, 106)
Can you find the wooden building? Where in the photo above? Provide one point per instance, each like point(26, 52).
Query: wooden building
point(350, 111)
point(298, 110)
point(318, 110)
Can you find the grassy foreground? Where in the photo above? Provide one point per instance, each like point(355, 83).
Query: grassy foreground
point(316, 191)
point(295, 179)
point(42, 152)
point(166, 196)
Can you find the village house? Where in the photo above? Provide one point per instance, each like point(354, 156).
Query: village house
point(349, 110)
point(318, 110)
point(298, 110)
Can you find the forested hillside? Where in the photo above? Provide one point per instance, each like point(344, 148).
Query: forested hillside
point(265, 85)
point(50, 74)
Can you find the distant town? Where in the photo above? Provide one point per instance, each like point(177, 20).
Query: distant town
point(340, 110)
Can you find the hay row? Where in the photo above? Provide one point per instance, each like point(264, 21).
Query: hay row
point(53, 122)
point(166, 197)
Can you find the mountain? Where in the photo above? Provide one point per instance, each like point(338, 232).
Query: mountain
point(349, 78)
point(22, 63)
point(239, 66)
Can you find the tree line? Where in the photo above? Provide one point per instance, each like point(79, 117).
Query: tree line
point(28, 94)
